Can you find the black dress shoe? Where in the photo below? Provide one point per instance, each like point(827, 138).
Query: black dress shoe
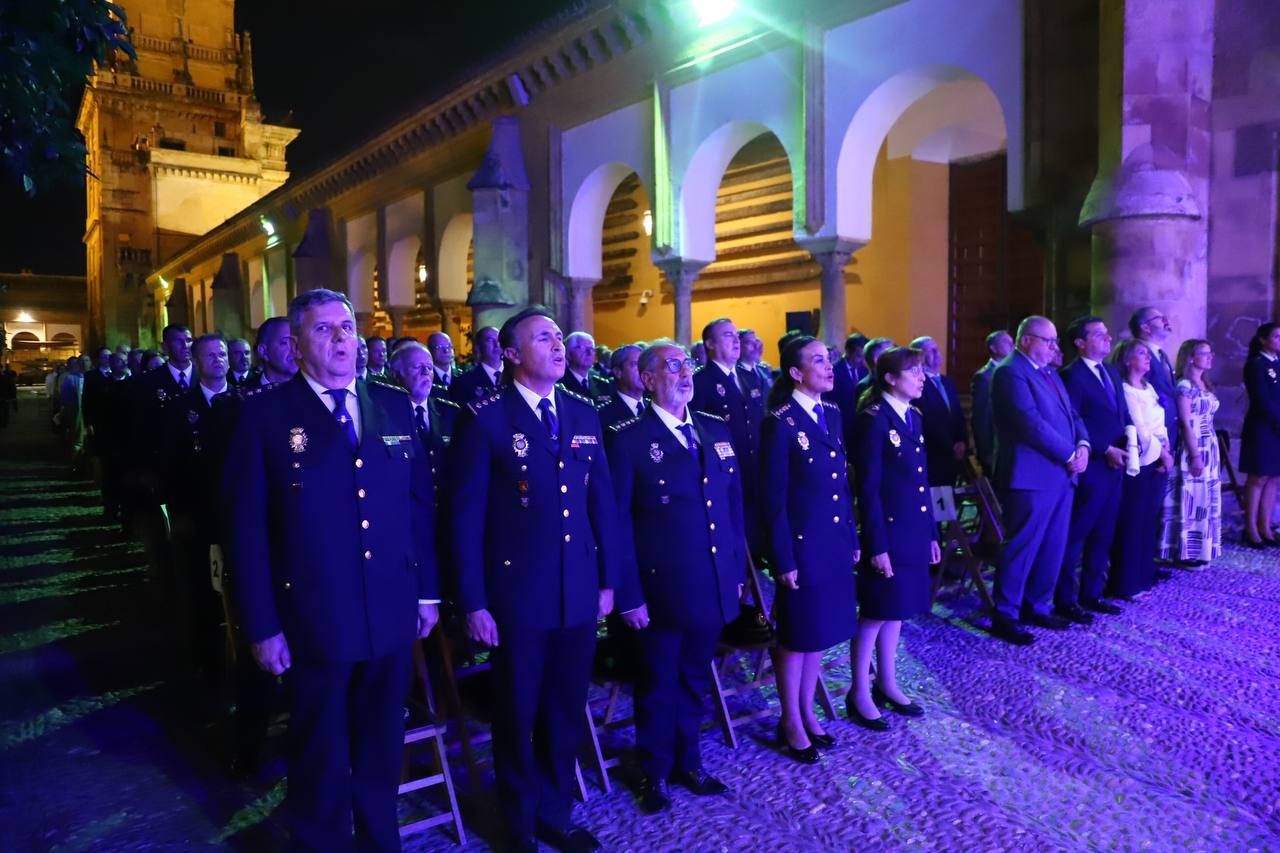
point(1260, 545)
point(808, 755)
point(1163, 574)
point(571, 839)
point(1100, 606)
point(1006, 629)
point(700, 782)
point(1075, 613)
point(1045, 620)
point(654, 796)
point(522, 845)
point(879, 724)
point(910, 709)
point(822, 741)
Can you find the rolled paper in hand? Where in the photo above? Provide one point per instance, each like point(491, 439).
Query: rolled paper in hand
point(1131, 447)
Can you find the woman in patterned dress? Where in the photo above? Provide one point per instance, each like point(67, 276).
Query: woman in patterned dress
point(1192, 531)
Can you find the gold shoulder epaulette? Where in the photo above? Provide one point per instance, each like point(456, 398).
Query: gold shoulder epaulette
point(916, 409)
point(830, 405)
point(621, 425)
point(781, 410)
point(709, 415)
point(573, 395)
point(476, 405)
point(448, 404)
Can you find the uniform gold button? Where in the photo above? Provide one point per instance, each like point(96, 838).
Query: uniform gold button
point(891, 519)
point(506, 562)
point(368, 555)
point(561, 465)
point(924, 509)
point(564, 489)
point(566, 513)
point(359, 463)
point(731, 470)
point(297, 465)
point(365, 524)
point(922, 488)
point(568, 536)
point(713, 549)
point(287, 585)
point(835, 519)
point(662, 482)
point(834, 475)
point(705, 481)
point(833, 454)
point(713, 525)
point(919, 470)
point(835, 497)
point(360, 493)
point(708, 503)
point(799, 535)
point(524, 467)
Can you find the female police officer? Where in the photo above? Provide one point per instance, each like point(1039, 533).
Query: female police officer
point(809, 516)
point(901, 540)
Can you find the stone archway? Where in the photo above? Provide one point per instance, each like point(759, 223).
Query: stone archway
point(455, 249)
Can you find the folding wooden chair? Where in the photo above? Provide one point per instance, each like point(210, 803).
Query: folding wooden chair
point(955, 541)
point(431, 732)
point(1231, 484)
point(761, 670)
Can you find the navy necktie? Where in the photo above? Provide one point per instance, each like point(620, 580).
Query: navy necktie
point(549, 419)
point(348, 425)
point(942, 390)
point(821, 417)
point(906, 419)
point(182, 382)
point(420, 417)
point(687, 431)
point(1106, 381)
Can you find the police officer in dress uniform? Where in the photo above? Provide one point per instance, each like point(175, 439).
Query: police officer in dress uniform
point(532, 514)
point(580, 376)
point(1096, 392)
point(627, 400)
point(330, 580)
point(440, 346)
point(485, 376)
point(898, 533)
point(275, 353)
point(737, 397)
point(999, 345)
point(192, 484)
point(808, 511)
point(676, 478)
point(240, 359)
point(1260, 441)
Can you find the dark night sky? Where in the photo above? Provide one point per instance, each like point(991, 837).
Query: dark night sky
point(344, 69)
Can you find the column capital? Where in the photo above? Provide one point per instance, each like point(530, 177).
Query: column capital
point(681, 272)
point(830, 251)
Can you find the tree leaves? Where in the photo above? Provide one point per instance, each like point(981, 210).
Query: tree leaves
point(47, 49)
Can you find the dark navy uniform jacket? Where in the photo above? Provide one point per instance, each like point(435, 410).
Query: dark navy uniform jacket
point(151, 394)
point(615, 410)
point(430, 470)
point(320, 537)
point(471, 384)
point(681, 539)
point(532, 520)
point(808, 506)
point(714, 392)
point(194, 447)
point(893, 486)
point(984, 437)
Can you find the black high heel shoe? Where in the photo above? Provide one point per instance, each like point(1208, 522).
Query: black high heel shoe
point(911, 709)
point(808, 755)
point(879, 724)
point(823, 741)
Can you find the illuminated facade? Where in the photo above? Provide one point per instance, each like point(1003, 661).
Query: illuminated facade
point(903, 168)
point(176, 145)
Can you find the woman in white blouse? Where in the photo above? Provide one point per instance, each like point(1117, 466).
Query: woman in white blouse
point(1133, 552)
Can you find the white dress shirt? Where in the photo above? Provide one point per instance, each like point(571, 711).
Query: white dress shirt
point(185, 374)
point(673, 423)
point(352, 403)
point(210, 393)
point(632, 403)
point(899, 406)
point(1148, 418)
point(732, 373)
point(533, 398)
point(806, 402)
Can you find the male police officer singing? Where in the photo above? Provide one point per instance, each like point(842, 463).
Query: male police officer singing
point(330, 580)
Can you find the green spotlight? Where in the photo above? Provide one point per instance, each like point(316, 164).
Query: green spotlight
point(713, 11)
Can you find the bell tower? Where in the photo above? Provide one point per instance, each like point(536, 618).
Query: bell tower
point(176, 145)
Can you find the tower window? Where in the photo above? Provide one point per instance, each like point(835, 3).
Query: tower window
point(226, 151)
point(220, 129)
point(173, 144)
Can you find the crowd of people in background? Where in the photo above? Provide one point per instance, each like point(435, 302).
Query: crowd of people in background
point(553, 481)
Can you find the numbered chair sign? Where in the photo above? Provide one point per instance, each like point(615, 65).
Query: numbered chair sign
point(215, 567)
point(944, 503)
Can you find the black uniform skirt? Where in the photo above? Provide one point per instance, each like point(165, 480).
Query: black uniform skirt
point(816, 617)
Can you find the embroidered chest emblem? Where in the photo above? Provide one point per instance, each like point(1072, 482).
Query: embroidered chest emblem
point(193, 417)
point(297, 439)
point(655, 452)
point(520, 444)
point(894, 438)
point(720, 389)
point(802, 440)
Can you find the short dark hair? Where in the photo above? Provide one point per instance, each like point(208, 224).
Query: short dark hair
point(371, 338)
point(620, 354)
point(1075, 331)
point(174, 328)
point(875, 346)
point(893, 360)
point(207, 339)
point(266, 329)
point(855, 342)
point(995, 336)
point(1138, 318)
point(710, 329)
point(507, 334)
point(303, 302)
point(475, 336)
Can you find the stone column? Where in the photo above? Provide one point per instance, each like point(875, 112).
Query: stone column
point(228, 298)
point(500, 211)
point(313, 259)
point(581, 306)
point(398, 316)
point(682, 274)
point(833, 256)
point(1150, 241)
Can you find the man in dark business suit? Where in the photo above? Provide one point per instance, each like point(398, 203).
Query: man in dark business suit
point(485, 376)
point(240, 360)
point(580, 357)
point(752, 358)
point(1041, 448)
point(675, 480)
point(946, 436)
point(1095, 391)
point(849, 372)
point(871, 352)
point(999, 345)
point(440, 346)
point(627, 400)
point(330, 579)
point(532, 520)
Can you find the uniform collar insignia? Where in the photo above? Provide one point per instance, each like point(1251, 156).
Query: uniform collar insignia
point(297, 439)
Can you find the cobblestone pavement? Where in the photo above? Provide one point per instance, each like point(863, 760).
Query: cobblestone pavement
point(1158, 729)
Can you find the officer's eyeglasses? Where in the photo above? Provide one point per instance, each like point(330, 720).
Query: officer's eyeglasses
point(674, 364)
point(1053, 342)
